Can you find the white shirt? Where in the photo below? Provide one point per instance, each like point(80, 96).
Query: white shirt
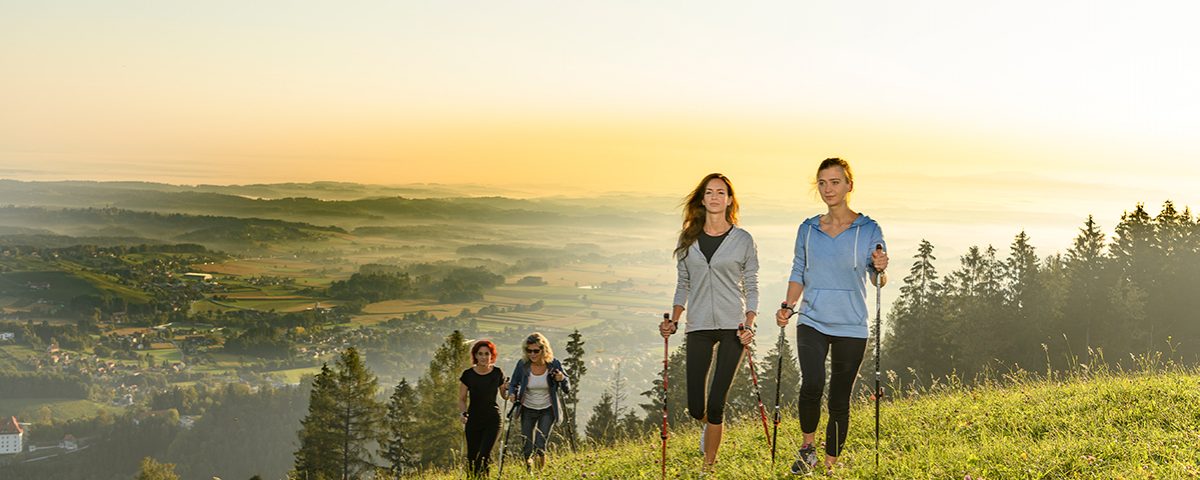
point(537, 392)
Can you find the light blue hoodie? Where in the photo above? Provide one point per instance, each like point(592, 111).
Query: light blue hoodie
point(834, 272)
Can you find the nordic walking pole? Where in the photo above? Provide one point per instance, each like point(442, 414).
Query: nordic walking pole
point(878, 388)
point(778, 384)
point(762, 411)
point(507, 431)
point(666, 353)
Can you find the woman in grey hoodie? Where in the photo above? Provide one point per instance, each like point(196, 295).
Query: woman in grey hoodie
point(835, 255)
point(718, 283)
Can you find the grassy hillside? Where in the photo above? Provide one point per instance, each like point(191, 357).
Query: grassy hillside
point(1089, 426)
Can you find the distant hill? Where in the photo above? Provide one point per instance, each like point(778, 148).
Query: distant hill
point(54, 227)
point(344, 204)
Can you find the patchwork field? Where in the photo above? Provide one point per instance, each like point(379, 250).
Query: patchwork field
point(59, 409)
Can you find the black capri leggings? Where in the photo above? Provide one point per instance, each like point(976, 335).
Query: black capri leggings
point(699, 358)
point(847, 355)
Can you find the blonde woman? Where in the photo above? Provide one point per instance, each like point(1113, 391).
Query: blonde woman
point(835, 256)
point(536, 379)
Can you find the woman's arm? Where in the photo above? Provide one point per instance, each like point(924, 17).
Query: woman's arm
point(561, 377)
point(794, 291)
point(683, 285)
point(750, 283)
point(462, 401)
point(515, 381)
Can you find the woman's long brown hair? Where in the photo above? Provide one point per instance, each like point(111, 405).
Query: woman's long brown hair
point(694, 214)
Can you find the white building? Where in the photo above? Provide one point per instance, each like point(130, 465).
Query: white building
point(203, 277)
point(69, 443)
point(11, 436)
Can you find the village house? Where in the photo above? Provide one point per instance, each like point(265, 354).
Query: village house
point(203, 277)
point(11, 436)
point(69, 443)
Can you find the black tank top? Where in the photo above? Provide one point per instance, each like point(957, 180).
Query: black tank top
point(709, 244)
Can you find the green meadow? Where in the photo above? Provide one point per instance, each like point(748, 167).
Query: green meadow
point(1108, 425)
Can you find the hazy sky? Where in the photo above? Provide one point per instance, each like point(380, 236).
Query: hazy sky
point(947, 108)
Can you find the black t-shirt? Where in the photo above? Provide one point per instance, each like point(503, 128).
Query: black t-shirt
point(482, 390)
point(709, 244)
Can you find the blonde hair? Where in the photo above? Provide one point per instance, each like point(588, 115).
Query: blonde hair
point(536, 338)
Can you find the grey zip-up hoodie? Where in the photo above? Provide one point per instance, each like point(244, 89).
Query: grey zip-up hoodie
point(718, 294)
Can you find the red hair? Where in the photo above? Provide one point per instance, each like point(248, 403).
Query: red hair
point(483, 344)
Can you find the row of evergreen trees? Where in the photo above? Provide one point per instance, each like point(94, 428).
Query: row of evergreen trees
point(1126, 296)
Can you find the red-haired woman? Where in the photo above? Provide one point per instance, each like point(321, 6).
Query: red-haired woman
point(481, 415)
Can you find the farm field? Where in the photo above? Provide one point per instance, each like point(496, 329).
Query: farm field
point(60, 409)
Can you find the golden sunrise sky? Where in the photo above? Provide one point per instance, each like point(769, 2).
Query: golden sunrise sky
point(1017, 113)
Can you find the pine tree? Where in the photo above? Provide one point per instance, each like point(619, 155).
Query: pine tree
point(974, 309)
point(919, 334)
point(314, 458)
point(1086, 300)
point(439, 431)
point(676, 392)
point(632, 426)
point(789, 379)
point(1133, 247)
point(603, 428)
point(1138, 266)
point(1166, 308)
point(1022, 296)
point(344, 419)
point(399, 447)
point(358, 414)
point(576, 368)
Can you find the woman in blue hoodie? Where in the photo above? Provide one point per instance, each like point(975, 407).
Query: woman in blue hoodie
point(536, 379)
point(717, 266)
point(835, 256)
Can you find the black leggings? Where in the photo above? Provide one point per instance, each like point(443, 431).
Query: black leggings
point(699, 358)
point(481, 431)
point(847, 355)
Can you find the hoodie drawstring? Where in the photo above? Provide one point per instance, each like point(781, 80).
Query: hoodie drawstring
point(854, 257)
point(806, 254)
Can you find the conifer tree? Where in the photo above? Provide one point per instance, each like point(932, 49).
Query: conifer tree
point(314, 459)
point(358, 414)
point(1020, 331)
point(602, 427)
point(344, 418)
point(399, 447)
point(789, 379)
point(439, 431)
point(677, 392)
point(576, 368)
point(1087, 287)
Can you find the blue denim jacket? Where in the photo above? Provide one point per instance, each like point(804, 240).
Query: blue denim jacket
point(520, 381)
